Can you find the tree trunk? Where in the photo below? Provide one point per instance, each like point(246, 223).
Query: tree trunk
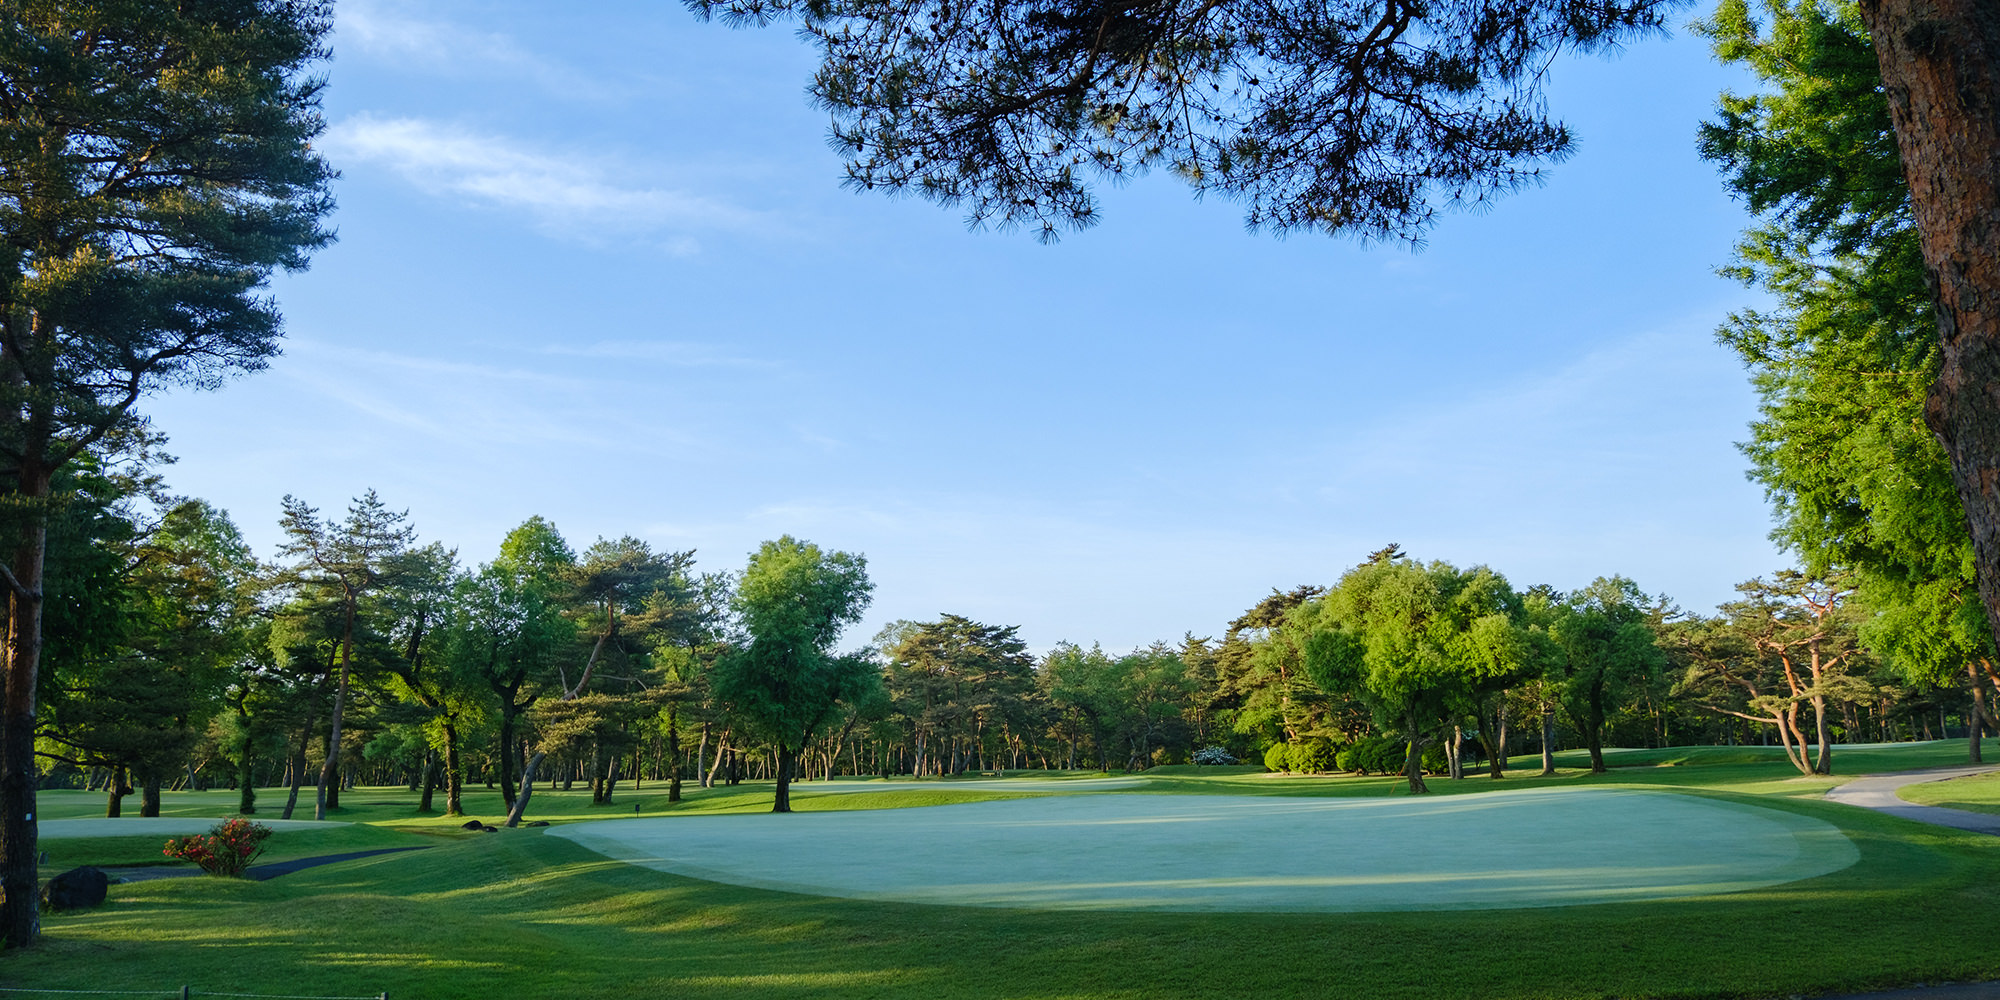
point(20, 903)
point(428, 781)
point(149, 794)
point(1413, 765)
point(783, 803)
point(673, 754)
point(114, 794)
point(246, 784)
point(1499, 764)
point(506, 755)
point(330, 770)
point(1413, 768)
point(454, 775)
point(701, 754)
point(721, 747)
point(1456, 753)
point(1940, 62)
point(1548, 741)
point(1823, 763)
point(1596, 728)
point(527, 790)
point(1978, 715)
point(298, 767)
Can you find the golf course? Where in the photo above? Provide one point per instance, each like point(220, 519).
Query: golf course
point(1682, 872)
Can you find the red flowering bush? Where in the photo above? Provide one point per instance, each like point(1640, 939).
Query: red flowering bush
point(226, 850)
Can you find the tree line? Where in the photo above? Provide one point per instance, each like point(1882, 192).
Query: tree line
point(360, 655)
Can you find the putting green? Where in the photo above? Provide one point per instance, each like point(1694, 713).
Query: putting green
point(1538, 847)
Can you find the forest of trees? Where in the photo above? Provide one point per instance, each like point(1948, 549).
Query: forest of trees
point(359, 655)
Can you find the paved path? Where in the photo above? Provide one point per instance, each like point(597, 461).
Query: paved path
point(1878, 792)
point(1955, 991)
point(256, 873)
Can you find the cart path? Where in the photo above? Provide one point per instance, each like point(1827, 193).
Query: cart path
point(256, 873)
point(1954, 991)
point(1878, 792)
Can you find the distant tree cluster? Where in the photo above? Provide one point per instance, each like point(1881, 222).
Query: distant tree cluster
point(361, 655)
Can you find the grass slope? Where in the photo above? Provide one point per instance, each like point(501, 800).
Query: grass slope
point(521, 914)
point(1975, 793)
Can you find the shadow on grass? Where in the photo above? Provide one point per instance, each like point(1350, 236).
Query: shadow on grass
point(520, 914)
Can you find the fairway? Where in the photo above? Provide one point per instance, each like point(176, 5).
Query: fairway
point(1528, 848)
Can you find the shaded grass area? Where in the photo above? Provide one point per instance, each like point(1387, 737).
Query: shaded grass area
point(387, 817)
point(146, 850)
point(1974, 793)
point(520, 914)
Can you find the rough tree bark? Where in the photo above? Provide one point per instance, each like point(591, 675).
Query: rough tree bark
point(454, 775)
point(673, 754)
point(298, 767)
point(330, 769)
point(783, 802)
point(1413, 765)
point(1548, 741)
point(19, 899)
point(1940, 63)
point(1978, 715)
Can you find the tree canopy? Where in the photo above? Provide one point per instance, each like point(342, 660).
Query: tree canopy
point(156, 165)
point(794, 600)
point(1341, 116)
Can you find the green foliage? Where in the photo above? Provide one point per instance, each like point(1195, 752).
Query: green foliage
point(794, 600)
point(156, 165)
point(1344, 117)
point(954, 681)
point(1278, 757)
point(1605, 634)
point(1311, 757)
point(1418, 644)
point(1380, 754)
point(1843, 364)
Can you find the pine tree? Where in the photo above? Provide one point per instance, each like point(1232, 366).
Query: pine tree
point(155, 168)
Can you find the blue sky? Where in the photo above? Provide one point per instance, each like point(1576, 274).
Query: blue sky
point(599, 268)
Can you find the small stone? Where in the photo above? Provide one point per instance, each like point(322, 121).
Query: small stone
point(489, 829)
point(76, 889)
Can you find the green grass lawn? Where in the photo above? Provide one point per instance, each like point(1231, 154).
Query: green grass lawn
point(1977, 793)
point(517, 913)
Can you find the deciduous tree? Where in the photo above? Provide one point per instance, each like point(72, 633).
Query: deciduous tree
point(786, 682)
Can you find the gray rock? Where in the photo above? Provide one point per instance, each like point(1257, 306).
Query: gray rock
point(76, 889)
point(472, 824)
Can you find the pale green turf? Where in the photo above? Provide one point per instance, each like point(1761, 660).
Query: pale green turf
point(1544, 847)
point(1975, 793)
point(524, 914)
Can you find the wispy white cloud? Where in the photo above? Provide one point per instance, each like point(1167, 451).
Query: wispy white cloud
point(436, 46)
point(674, 353)
point(578, 196)
point(475, 408)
